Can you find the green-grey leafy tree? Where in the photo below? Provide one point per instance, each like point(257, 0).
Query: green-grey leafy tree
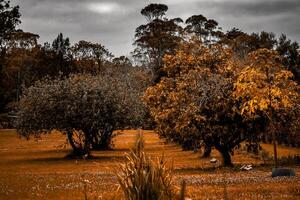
point(87, 108)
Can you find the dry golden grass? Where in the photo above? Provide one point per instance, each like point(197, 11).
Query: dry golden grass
point(286, 151)
point(38, 169)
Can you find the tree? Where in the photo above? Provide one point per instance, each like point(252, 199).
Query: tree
point(290, 51)
point(122, 60)
point(193, 106)
point(264, 89)
point(206, 30)
point(87, 108)
point(9, 20)
point(263, 40)
point(90, 54)
point(62, 58)
point(158, 37)
point(154, 11)
point(20, 66)
point(196, 25)
point(242, 43)
point(211, 26)
point(239, 42)
point(61, 45)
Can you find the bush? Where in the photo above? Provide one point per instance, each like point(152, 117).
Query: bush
point(142, 179)
point(87, 108)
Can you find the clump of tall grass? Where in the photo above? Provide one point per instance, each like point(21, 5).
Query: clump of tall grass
point(140, 178)
point(139, 144)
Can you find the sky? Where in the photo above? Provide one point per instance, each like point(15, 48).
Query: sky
point(113, 22)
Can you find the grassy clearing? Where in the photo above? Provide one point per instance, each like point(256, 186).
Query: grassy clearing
point(38, 169)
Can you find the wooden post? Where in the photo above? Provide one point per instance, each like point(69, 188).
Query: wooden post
point(275, 148)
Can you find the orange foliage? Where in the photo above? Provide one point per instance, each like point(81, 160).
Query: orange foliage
point(264, 86)
point(209, 97)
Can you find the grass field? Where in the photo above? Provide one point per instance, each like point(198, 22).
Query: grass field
point(39, 169)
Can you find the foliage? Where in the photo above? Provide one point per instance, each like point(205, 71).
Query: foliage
point(154, 11)
point(95, 105)
point(21, 61)
point(206, 30)
point(264, 87)
point(263, 39)
point(122, 60)
point(61, 51)
point(242, 43)
point(196, 25)
point(239, 42)
point(158, 37)
point(9, 19)
point(265, 90)
point(290, 51)
point(61, 45)
point(196, 103)
point(25, 61)
point(90, 57)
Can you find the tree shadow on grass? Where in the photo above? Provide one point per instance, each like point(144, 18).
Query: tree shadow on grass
point(71, 157)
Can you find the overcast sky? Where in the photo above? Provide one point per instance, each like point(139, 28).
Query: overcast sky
point(113, 22)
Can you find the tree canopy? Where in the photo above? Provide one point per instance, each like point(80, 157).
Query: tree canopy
point(158, 37)
point(94, 105)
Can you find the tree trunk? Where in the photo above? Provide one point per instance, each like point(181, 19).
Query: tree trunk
point(102, 139)
point(2, 60)
point(207, 151)
point(225, 152)
point(275, 150)
point(226, 158)
point(80, 148)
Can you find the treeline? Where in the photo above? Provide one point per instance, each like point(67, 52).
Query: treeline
point(23, 60)
point(193, 71)
point(161, 36)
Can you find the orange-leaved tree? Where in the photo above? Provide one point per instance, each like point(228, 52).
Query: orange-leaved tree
point(264, 89)
point(193, 104)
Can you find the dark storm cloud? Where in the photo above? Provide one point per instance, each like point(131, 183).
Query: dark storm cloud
point(254, 8)
point(112, 22)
